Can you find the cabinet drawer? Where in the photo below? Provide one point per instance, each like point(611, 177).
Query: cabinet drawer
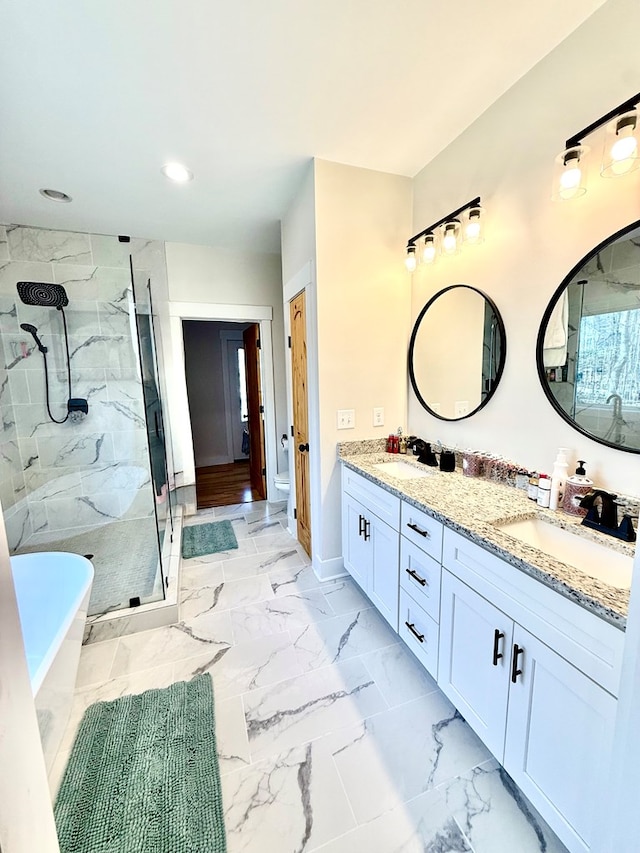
point(420, 577)
point(378, 501)
point(422, 637)
point(422, 529)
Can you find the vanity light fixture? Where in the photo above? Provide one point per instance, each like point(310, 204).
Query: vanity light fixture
point(621, 153)
point(446, 233)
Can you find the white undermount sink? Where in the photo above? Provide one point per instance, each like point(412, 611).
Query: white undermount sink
point(402, 470)
point(592, 558)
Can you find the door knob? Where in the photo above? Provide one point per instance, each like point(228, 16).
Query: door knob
point(303, 447)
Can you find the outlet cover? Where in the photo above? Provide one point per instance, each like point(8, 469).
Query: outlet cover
point(378, 416)
point(346, 418)
point(461, 408)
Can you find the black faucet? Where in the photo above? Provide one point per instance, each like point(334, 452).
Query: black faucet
point(422, 449)
point(602, 514)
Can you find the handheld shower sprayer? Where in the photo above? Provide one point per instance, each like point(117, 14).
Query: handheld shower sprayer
point(27, 327)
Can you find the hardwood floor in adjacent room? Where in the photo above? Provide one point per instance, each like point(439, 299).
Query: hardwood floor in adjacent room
point(221, 485)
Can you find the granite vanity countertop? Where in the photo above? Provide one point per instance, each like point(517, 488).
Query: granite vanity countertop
point(473, 507)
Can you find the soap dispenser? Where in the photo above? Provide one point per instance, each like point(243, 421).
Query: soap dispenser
point(558, 479)
point(575, 489)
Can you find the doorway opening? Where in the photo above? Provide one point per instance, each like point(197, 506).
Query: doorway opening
point(224, 391)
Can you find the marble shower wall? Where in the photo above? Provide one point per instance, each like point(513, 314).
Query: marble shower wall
point(57, 480)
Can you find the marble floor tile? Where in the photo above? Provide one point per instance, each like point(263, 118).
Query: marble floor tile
point(195, 574)
point(345, 596)
point(224, 596)
point(280, 614)
point(495, 815)
point(267, 510)
point(341, 637)
point(273, 541)
point(243, 667)
point(231, 735)
point(96, 661)
point(267, 525)
point(399, 754)
point(422, 826)
point(230, 510)
point(296, 711)
point(286, 581)
point(172, 643)
point(399, 676)
point(287, 804)
point(263, 563)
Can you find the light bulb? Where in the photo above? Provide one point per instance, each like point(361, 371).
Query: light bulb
point(450, 240)
point(569, 179)
point(177, 173)
point(473, 227)
point(429, 250)
point(410, 261)
point(621, 146)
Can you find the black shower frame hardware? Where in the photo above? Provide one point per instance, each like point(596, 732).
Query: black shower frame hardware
point(622, 108)
point(475, 202)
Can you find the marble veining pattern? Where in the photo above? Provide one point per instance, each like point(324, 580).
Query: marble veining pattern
point(349, 746)
point(473, 506)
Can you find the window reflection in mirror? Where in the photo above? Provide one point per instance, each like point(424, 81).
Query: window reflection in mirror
point(456, 353)
point(589, 344)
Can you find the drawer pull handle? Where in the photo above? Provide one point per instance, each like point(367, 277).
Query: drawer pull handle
point(367, 528)
point(417, 529)
point(497, 636)
point(515, 672)
point(412, 628)
point(416, 577)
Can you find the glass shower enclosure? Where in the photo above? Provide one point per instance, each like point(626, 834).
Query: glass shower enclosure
point(96, 483)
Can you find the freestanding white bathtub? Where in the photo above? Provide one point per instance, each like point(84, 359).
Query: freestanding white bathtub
point(53, 591)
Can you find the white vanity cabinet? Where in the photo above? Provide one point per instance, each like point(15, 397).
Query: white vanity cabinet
point(370, 541)
point(535, 675)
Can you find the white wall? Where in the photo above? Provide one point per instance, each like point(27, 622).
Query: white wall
point(362, 220)
point(531, 243)
point(26, 818)
point(201, 274)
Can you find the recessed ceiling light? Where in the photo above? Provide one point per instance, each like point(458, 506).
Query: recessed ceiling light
point(56, 195)
point(177, 172)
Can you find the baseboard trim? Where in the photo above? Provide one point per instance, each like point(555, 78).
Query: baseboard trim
point(328, 570)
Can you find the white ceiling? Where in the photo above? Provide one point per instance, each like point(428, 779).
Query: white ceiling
point(95, 95)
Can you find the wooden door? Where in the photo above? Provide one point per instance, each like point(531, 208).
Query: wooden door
point(255, 410)
point(559, 736)
point(300, 418)
point(474, 659)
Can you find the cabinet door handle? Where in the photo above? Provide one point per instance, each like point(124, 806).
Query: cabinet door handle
point(515, 672)
point(361, 520)
point(367, 529)
point(416, 577)
point(412, 628)
point(417, 529)
point(497, 636)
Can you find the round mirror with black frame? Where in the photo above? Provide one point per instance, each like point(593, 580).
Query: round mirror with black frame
point(588, 349)
point(457, 352)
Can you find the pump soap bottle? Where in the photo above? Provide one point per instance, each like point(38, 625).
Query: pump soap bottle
point(558, 479)
point(576, 488)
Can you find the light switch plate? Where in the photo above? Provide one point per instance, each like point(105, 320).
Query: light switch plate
point(378, 416)
point(346, 418)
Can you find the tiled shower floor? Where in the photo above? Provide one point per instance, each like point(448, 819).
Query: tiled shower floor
point(331, 736)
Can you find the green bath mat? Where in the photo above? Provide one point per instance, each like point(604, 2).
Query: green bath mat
point(210, 538)
point(143, 776)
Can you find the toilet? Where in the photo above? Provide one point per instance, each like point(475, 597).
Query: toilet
point(281, 482)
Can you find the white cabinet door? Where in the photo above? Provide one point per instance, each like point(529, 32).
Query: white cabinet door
point(559, 735)
point(355, 549)
point(383, 580)
point(474, 659)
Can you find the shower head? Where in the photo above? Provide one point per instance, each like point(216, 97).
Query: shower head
point(42, 294)
point(27, 327)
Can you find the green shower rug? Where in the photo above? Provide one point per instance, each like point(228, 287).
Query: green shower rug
point(200, 539)
point(143, 776)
